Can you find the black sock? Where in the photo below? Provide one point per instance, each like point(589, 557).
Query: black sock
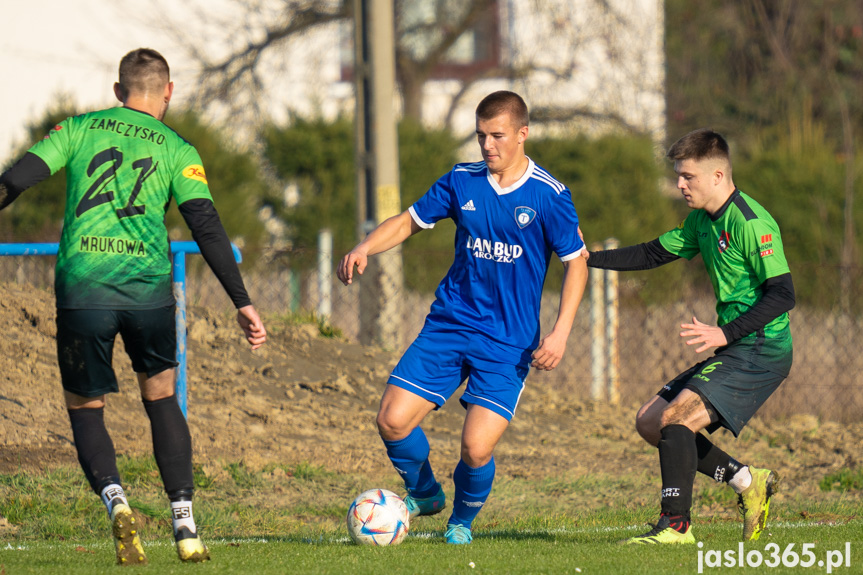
point(172, 446)
point(678, 460)
point(95, 448)
point(713, 462)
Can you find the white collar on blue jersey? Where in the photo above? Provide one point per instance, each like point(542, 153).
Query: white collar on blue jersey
point(501, 191)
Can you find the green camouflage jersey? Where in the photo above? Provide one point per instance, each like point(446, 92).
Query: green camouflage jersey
point(122, 169)
point(742, 248)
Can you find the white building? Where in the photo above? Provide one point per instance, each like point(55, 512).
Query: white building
point(580, 64)
point(586, 64)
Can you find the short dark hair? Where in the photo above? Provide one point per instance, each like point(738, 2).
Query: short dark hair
point(700, 144)
point(143, 70)
point(503, 102)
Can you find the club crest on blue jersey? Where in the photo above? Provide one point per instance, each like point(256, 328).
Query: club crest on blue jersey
point(523, 216)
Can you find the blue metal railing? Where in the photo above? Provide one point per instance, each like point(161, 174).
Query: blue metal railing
point(179, 251)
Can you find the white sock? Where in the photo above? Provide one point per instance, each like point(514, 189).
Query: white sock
point(181, 515)
point(113, 495)
point(741, 480)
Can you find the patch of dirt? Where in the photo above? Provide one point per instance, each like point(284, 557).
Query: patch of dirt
point(7, 528)
point(305, 398)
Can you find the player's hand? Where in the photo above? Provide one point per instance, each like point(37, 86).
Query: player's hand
point(707, 335)
point(549, 353)
point(584, 253)
point(253, 327)
point(345, 272)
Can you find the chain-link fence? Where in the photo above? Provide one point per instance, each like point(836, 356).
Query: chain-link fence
point(824, 381)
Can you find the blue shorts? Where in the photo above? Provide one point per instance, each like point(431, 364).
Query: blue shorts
point(441, 359)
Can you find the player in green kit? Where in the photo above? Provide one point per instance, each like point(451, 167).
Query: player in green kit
point(741, 247)
point(113, 275)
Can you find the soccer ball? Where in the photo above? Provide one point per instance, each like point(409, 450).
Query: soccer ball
point(378, 517)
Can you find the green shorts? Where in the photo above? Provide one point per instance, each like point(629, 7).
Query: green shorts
point(731, 384)
point(85, 345)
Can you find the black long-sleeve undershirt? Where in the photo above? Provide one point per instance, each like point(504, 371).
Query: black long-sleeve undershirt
point(638, 257)
point(27, 172)
point(207, 230)
point(777, 296)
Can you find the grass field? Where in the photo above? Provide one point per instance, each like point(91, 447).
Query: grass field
point(279, 520)
point(508, 550)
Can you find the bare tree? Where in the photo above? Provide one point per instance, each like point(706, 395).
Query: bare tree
point(253, 39)
point(239, 49)
point(423, 44)
point(589, 62)
point(598, 64)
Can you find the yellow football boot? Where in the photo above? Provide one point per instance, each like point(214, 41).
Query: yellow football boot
point(754, 502)
point(661, 534)
point(190, 548)
point(126, 541)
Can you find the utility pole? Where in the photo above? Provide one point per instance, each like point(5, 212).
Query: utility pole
point(377, 163)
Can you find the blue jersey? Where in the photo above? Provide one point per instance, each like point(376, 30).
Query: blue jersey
point(503, 244)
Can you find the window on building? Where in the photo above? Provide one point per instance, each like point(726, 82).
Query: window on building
point(423, 25)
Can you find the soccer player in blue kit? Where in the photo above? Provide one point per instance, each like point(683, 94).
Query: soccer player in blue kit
point(483, 326)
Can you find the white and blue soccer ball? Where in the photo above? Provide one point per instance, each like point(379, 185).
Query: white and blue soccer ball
point(378, 517)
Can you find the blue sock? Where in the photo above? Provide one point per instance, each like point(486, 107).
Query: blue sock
point(472, 486)
point(410, 458)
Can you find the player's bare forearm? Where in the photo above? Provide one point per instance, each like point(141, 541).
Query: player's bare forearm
point(389, 234)
point(574, 283)
point(552, 347)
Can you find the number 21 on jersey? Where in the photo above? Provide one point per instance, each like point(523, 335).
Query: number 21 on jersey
point(98, 193)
